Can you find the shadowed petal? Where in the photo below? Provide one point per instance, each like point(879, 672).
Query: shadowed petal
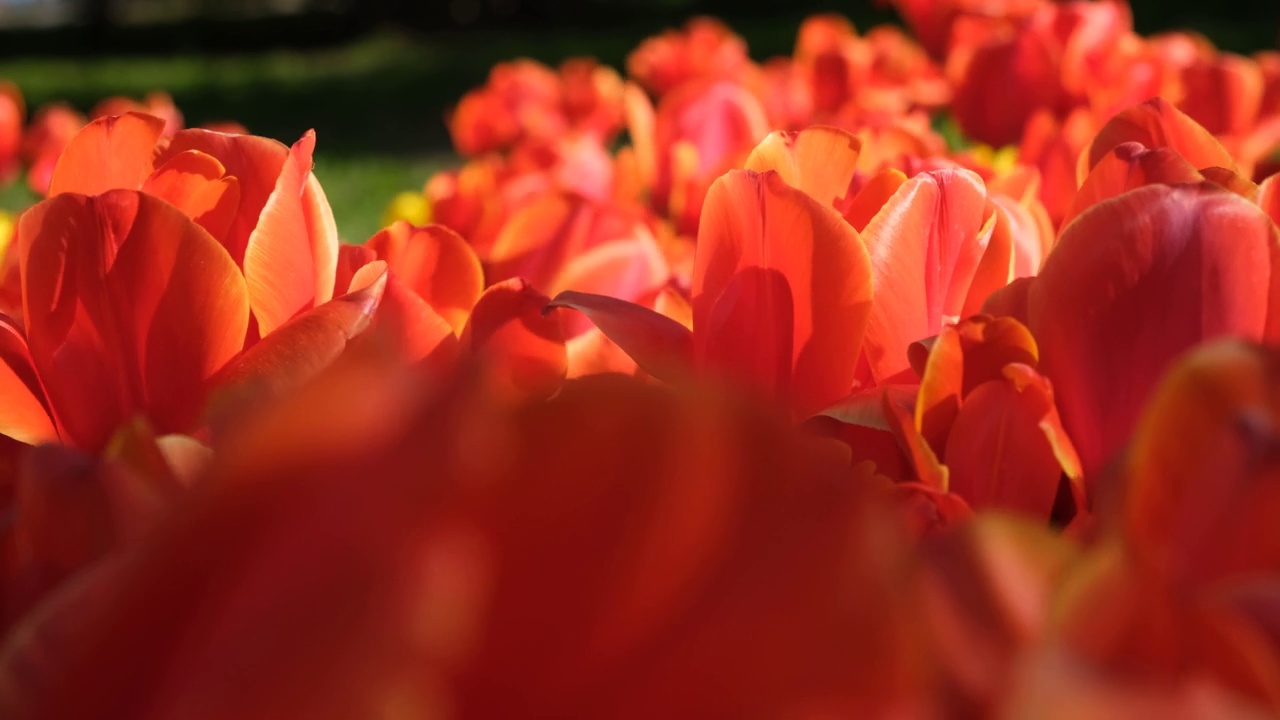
point(781, 291)
point(1134, 282)
point(661, 346)
point(131, 307)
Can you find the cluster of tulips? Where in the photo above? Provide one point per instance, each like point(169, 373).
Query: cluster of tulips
point(783, 407)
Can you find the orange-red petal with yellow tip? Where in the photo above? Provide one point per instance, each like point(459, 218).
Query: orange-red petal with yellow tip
point(130, 307)
point(1125, 167)
point(781, 291)
point(1231, 180)
point(254, 161)
point(521, 346)
point(292, 253)
point(998, 454)
point(1155, 124)
point(925, 246)
point(1203, 469)
point(198, 185)
point(819, 160)
point(941, 389)
point(109, 153)
point(297, 352)
point(898, 403)
point(1133, 283)
point(436, 263)
point(661, 346)
point(23, 415)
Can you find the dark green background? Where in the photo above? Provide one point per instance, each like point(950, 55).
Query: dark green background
point(375, 77)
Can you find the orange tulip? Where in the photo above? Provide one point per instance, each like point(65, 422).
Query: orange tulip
point(781, 294)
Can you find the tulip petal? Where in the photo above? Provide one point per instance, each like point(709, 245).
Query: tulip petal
point(781, 291)
point(819, 161)
point(197, 185)
point(925, 246)
point(661, 346)
point(131, 307)
point(1157, 124)
point(23, 415)
point(522, 349)
point(631, 270)
point(997, 453)
point(1134, 282)
point(292, 254)
point(1125, 167)
point(115, 152)
point(436, 263)
point(1202, 469)
point(256, 163)
point(299, 350)
point(873, 196)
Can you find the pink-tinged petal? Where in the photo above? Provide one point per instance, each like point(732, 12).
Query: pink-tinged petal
point(23, 415)
point(109, 153)
point(130, 306)
point(298, 351)
point(521, 347)
point(436, 263)
point(1134, 282)
point(925, 246)
point(661, 346)
point(198, 185)
point(820, 161)
point(291, 255)
point(1125, 167)
point(543, 237)
point(781, 291)
point(1156, 124)
point(256, 162)
point(631, 270)
point(998, 454)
